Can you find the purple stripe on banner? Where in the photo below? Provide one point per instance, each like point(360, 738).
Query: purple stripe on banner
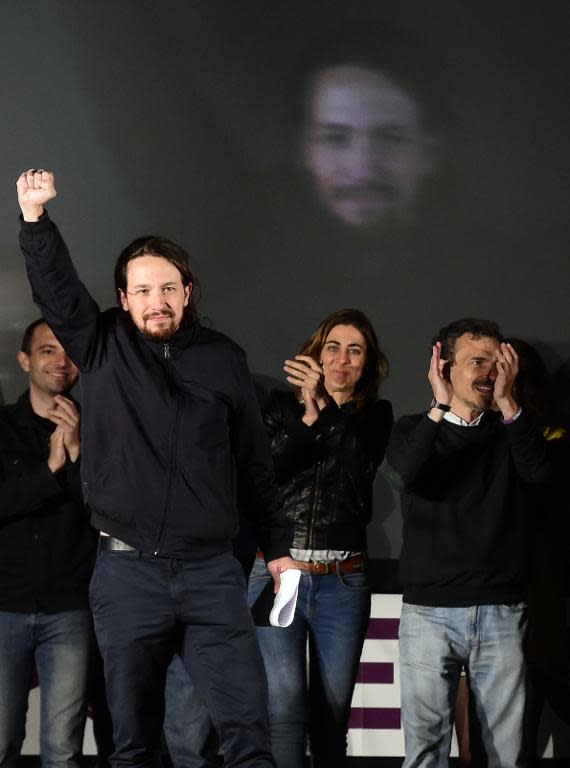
point(383, 629)
point(385, 718)
point(375, 672)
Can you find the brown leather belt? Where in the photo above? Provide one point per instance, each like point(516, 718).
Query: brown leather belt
point(354, 564)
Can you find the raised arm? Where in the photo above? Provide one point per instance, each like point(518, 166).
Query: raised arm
point(411, 443)
point(62, 298)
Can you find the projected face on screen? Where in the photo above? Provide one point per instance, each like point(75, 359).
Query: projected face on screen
point(364, 147)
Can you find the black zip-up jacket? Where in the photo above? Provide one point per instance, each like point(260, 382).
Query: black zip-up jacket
point(47, 547)
point(167, 427)
point(464, 503)
point(325, 472)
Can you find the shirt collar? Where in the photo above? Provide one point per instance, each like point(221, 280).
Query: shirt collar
point(454, 419)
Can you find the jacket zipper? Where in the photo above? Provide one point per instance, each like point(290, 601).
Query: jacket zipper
point(173, 443)
point(314, 509)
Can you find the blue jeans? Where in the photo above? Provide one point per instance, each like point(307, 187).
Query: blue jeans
point(190, 735)
point(59, 645)
point(148, 608)
point(434, 644)
point(332, 612)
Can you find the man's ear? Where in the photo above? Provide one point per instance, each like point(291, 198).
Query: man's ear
point(187, 293)
point(446, 370)
point(24, 361)
point(124, 300)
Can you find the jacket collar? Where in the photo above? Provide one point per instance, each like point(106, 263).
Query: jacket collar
point(186, 334)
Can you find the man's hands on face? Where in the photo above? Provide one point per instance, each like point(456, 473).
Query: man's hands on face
point(276, 568)
point(35, 188)
point(64, 441)
point(507, 369)
point(441, 387)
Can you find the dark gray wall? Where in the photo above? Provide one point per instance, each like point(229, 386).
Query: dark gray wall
point(169, 117)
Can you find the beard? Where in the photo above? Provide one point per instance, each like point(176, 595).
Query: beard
point(487, 398)
point(160, 334)
point(478, 407)
point(164, 332)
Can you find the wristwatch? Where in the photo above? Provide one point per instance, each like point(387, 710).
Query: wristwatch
point(440, 406)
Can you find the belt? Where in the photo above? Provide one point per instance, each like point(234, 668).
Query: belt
point(354, 564)
point(111, 544)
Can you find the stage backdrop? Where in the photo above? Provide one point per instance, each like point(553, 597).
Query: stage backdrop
point(203, 120)
point(193, 119)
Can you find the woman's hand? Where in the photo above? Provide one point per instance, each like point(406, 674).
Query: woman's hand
point(307, 374)
point(276, 568)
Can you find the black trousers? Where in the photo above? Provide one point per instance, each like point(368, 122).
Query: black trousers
point(145, 609)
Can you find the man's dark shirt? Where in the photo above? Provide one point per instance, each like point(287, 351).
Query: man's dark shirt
point(464, 505)
point(47, 547)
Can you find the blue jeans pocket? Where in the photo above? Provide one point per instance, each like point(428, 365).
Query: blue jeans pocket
point(420, 610)
point(354, 582)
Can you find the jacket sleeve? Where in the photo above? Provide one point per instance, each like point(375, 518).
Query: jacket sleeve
point(294, 445)
point(409, 449)
point(256, 480)
point(371, 448)
point(65, 303)
point(529, 450)
point(27, 487)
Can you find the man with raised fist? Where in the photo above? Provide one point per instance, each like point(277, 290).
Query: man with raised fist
point(171, 427)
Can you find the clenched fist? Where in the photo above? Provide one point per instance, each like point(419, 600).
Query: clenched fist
point(35, 188)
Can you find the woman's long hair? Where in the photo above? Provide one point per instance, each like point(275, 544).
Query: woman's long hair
point(376, 363)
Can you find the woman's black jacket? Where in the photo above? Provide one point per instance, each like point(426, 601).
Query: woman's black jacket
point(325, 472)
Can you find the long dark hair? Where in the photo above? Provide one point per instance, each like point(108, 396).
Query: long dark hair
point(154, 245)
point(376, 364)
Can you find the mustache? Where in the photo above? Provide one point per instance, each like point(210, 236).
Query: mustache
point(483, 383)
point(357, 191)
point(161, 313)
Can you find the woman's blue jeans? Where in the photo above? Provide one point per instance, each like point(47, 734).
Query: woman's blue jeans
point(332, 613)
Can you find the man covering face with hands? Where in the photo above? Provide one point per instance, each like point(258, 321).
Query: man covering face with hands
point(462, 468)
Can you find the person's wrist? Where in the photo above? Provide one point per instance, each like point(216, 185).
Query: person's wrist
point(32, 213)
point(508, 407)
point(435, 414)
point(440, 405)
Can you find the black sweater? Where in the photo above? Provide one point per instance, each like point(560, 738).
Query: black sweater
point(463, 504)
point(47, 547)
point(168, 429)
